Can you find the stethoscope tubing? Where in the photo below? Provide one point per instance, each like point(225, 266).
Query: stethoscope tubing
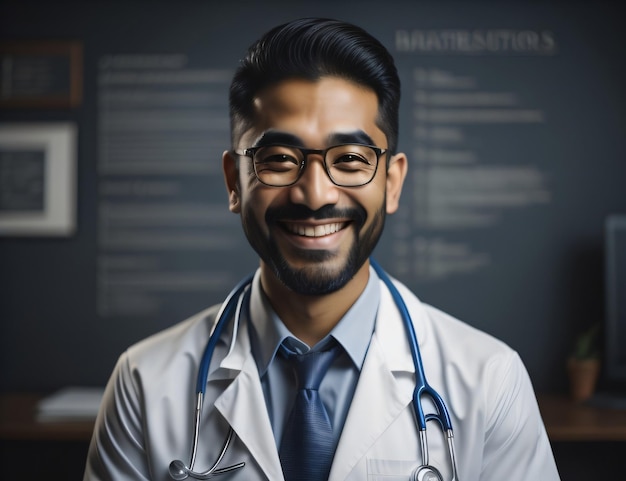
point(230, 308)
point(421, 384)
point(223, 317)
point(178, 469)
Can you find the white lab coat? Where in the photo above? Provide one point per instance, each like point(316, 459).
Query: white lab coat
point(146, 418)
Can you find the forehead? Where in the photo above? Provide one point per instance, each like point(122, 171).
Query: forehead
point(315, 111)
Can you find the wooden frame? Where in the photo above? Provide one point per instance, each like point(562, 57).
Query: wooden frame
point(38, 179)
point(41, 74)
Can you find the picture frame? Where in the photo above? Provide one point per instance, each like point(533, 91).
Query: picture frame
point(41, 74)
point(38, 179)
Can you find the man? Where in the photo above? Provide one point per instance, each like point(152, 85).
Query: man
point(313, 171)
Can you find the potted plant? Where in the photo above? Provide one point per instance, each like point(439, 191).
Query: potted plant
point(583, 365)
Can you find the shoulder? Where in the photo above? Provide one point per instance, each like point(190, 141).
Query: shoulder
point(151, 369)
point(487, 391)
point(461, 348)
point(448, 329)
point(149, 387)
point(445, 327)
point(186, 339)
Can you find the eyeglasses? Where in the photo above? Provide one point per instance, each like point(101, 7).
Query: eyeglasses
point(347, 165)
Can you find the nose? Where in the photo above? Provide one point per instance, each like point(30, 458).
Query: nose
point(314, 188)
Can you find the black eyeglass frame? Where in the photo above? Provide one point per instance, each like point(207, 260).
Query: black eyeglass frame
point(250, 151)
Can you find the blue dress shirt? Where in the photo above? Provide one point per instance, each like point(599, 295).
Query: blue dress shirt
point(353, 333)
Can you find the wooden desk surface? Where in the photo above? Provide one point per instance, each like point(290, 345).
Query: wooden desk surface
point(18, 422)
point(564, 421)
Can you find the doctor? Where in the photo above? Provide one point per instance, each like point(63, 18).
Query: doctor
point(313, 171)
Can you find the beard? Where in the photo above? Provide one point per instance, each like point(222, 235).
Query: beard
point(316, 278)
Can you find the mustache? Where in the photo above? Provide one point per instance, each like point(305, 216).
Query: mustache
point(302, 212)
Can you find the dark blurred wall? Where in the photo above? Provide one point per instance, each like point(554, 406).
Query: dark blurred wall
point(513, 118)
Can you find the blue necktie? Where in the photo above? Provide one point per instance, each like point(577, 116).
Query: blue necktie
point(308, 445)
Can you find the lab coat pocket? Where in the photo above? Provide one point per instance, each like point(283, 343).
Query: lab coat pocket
point(389, 469)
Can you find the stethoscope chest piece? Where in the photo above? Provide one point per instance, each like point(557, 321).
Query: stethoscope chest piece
point(426, 473)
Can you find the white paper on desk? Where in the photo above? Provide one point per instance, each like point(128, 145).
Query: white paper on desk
point(71, 404)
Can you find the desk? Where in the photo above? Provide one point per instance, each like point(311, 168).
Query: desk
point(18, 422)
point(577, 432)
point(566, 420)
point(40, 450)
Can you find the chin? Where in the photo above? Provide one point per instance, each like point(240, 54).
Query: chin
point(318, 279)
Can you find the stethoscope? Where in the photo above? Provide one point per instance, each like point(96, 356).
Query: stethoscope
point(231, 308)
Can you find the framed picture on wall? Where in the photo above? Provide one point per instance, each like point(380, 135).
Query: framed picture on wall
point(38, 179)
point(40, 75)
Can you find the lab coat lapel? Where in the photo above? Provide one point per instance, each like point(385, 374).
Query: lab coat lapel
point(243, 406)
point(379, 397)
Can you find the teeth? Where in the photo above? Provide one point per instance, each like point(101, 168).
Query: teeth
point(314, 231)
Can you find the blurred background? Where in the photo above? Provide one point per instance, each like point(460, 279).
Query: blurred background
point(113, 213)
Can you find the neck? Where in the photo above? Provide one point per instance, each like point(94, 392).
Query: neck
point(311, 318)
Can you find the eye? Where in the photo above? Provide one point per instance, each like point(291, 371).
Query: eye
point(352, 159)
point(276, 159)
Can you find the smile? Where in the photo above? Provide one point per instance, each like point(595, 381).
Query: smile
point(314, 231)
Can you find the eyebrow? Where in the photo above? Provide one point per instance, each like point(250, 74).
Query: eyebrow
point(273, 137)
point(356, 137)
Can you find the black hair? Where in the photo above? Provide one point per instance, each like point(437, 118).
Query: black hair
point(309, 49)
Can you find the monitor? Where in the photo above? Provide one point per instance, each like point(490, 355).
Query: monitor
point(612, 394)
point(615, 325)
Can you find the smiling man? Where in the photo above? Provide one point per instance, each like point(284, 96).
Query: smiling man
point(312, 374)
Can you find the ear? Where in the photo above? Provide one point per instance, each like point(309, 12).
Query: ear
point(231, 177)
point(396, 172)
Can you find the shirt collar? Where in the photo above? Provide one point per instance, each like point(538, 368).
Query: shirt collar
point(353, 331)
